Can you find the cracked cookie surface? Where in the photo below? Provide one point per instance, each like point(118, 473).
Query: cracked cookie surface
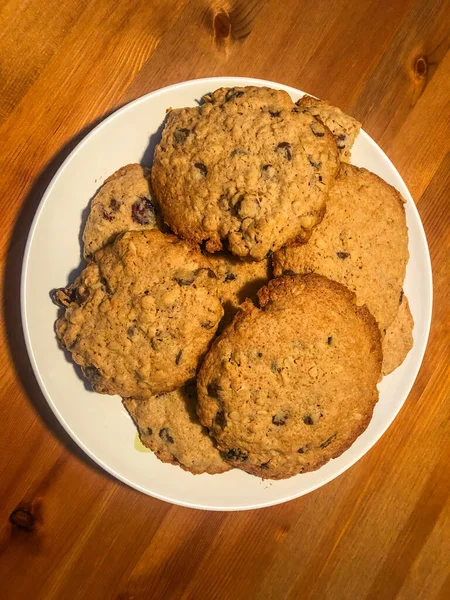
point(247, 170)
point(168, 425)
point(291, 384)
point(140, 317)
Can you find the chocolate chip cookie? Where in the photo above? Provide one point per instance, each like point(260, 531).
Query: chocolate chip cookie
point(123, 203)
point(291, 384)
point(398, 340)
point(168, 425)
point(362, 242)
point(247, 170)
point(343, 127)
point(140, 317)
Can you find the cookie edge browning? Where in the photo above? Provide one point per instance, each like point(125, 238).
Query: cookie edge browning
point(276, 289)
point(167, 457)
point(392, 365)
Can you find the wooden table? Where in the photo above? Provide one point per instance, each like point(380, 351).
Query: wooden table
point(68, 530)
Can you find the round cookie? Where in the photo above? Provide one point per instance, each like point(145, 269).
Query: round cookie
point(362, 242)
point(237, 281)
point(291, 384)
point(246, 170)
point(344, 127)
point(123, 203)
point(140, 318)
point(398, 340)
point(168, 425)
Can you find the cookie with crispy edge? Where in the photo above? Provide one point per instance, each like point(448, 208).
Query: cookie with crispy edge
point(292, 383)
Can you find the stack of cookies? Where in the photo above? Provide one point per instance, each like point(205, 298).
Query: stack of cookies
point(245, 295)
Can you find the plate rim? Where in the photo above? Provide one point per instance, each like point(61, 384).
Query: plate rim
point(24, 319)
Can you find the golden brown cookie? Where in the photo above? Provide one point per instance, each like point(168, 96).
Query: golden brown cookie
point(291, 384)
point(140, 317)
point(246, 169)
point(398, 340)
point(123, 203)
point(343, 127)
point(362, 242)
point(168, 425)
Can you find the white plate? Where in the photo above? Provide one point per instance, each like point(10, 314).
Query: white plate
point(98, 423)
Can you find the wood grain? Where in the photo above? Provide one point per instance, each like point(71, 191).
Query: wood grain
point(68, 530)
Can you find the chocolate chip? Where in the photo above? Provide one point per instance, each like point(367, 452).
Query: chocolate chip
point(164, 434)
point(238, 152)
point(70, 295)
point(280, 418)
point(343, 255)
point(274, 113)
point(288, 272)
point(209, 272)
point(296, 109)
point(235, 454)
point(94, 375)
point(401, 297)
point(179, 357)
point(260, 354)
point(330, 340)
point(22, 519)
point(341, 138)
point(328, 441)
point(220, 419)
point(213, 389)
point(107, 216)
point(265, 465)
point(143, 211)
point(160, 338)
point(268, 171)
point(130, 331)
point(314, 163)
point(184, 280)
point(114, 205)
point(202, 168)
point(81, 295)
point(232, 94)
point(308, 420)
point(180, 136)
point(317, 129)
point(207, 324)
point(148, 431)
point(285, 149)
point(268, 253)
point(58, 297)
point(230, 277)
point(106, 286)
point(303, 450)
